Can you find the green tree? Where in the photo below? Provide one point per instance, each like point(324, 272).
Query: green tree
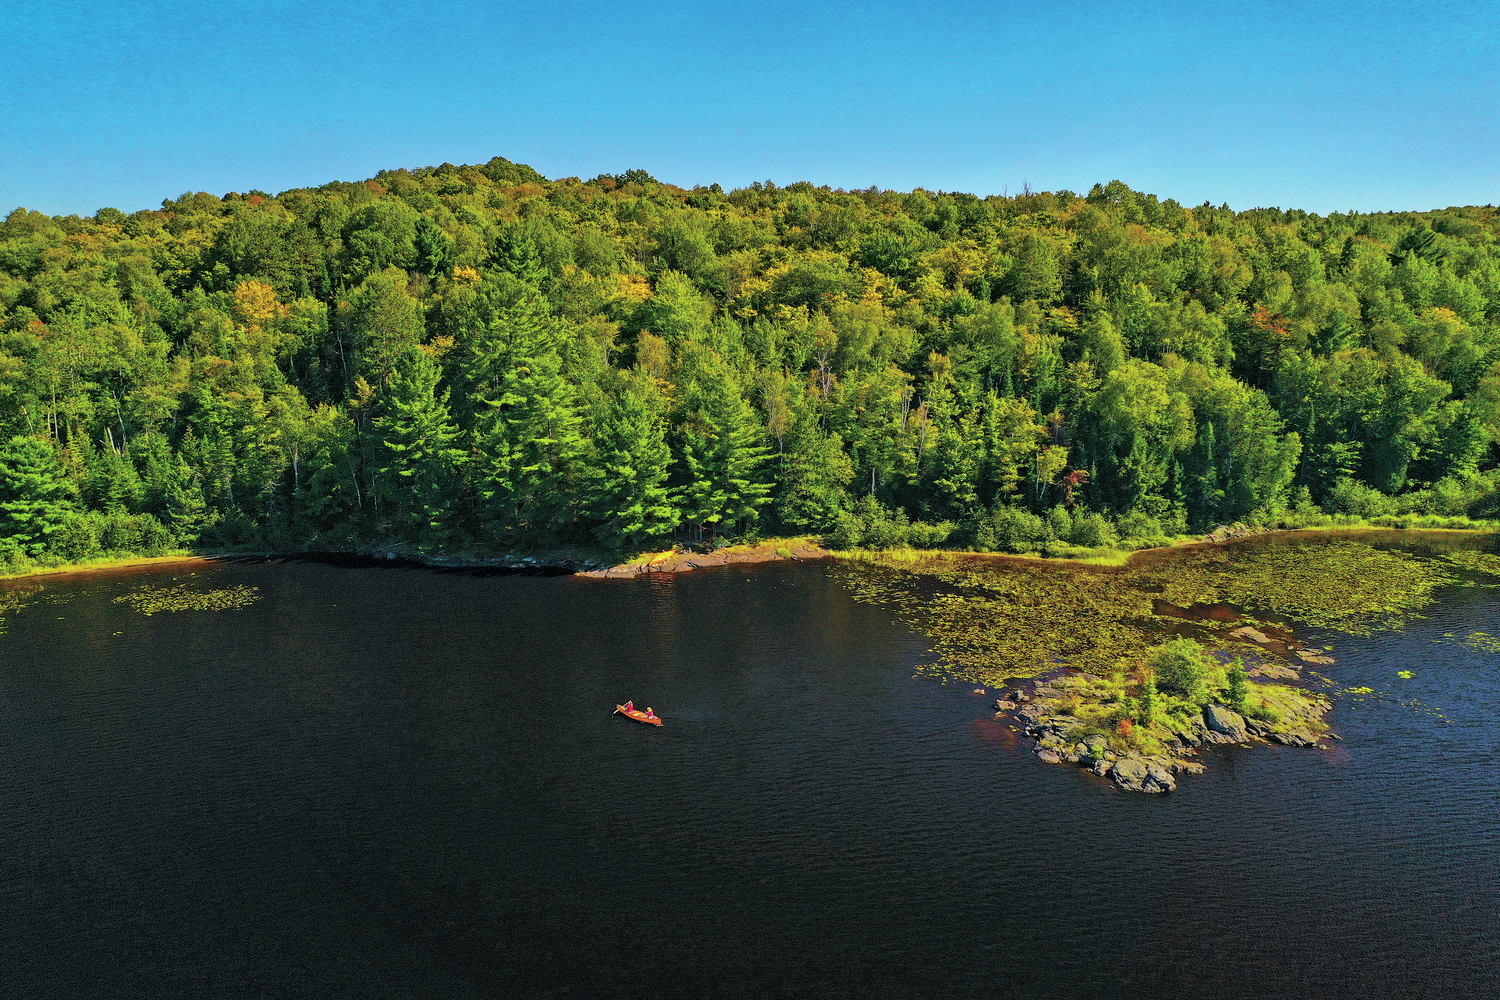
point(627, 483)
point(1147, 704)
point(381, 324)
point(35, 498)
point(1237, 685)
point(813, 487)
point(1179, 667)
point(417, 475)
point(723, 454)
point(531, 450)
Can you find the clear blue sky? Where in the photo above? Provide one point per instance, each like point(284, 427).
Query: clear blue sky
point(1320, 105)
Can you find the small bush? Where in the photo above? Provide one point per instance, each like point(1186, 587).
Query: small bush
point(235, 530)
point(1138, 525)
point(76, 539)
point(1260, 709)
point(868, 524)
point(922, 535)
point(1060, 522)
point(1018, 530)
point(1091, 529)
point(1350, 496)
point(848, 532)
point(1179, 667)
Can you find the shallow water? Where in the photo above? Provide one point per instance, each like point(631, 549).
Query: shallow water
point(399, 782)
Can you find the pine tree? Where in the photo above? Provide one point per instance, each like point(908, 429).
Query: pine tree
point(1148, 700)
point(34, 497)
point(817, 471)
point(723, 455)
point(531, 453)
point(628, 491)
point(1237, 685)
point(417, 461)
point(1208, 492)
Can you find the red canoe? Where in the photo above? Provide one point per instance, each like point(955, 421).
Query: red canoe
point(638, 715)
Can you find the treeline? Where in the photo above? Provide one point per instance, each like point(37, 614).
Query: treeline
point(478, 356)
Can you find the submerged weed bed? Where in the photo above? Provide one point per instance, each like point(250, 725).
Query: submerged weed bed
point(991, 619)
point(13, 599)
point(154, 600)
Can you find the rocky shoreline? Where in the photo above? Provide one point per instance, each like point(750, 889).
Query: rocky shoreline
point(1037, 709)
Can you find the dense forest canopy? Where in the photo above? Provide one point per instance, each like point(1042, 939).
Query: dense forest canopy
point(479, 356)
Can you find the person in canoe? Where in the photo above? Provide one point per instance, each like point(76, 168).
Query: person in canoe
point(630, 706)
point(650, 714)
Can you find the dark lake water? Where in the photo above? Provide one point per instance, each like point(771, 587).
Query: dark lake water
point(398, 782)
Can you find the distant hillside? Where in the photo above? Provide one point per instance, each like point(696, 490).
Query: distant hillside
point(476, 355)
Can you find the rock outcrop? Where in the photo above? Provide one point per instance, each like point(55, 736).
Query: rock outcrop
point(1038, 713)
point(1136, 774)
point(1225, 722)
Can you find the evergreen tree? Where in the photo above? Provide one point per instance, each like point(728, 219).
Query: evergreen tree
point(35, 499)
point(628, 491)
point(817, 471)
point(1237, 685)
point(531, 452)
point(332, 495)
point(417, 475)
point(1208, 493)
point(723, 454)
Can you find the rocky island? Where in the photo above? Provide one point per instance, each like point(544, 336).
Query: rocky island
point(1048, 711)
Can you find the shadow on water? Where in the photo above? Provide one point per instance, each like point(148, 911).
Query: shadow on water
point(364, 561)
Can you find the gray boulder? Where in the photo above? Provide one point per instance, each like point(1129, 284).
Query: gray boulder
point(1248, 633)
point(1273, 670)
point(1224, 722)
point(1136, 775)
point(1295, 739)
point(1094, 750)
point(1130, 773)
point(1159, 779)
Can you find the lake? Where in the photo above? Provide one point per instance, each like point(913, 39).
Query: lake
point(402, 782)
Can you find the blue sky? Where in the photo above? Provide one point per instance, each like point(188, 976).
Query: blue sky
point(1323, 106)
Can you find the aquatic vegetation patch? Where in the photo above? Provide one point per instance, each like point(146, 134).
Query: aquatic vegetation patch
point(13, 599)
point(183, 597)
point(1482, 641)
point(990, 619)
point(1486, 563)
point(1339, 584)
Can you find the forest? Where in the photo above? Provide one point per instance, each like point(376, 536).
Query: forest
point(479, 359)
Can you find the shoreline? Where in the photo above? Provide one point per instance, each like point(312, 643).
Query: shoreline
point(594, 566)
point(108, 565)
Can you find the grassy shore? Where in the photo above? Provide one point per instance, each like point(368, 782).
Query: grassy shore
point(101, 564)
